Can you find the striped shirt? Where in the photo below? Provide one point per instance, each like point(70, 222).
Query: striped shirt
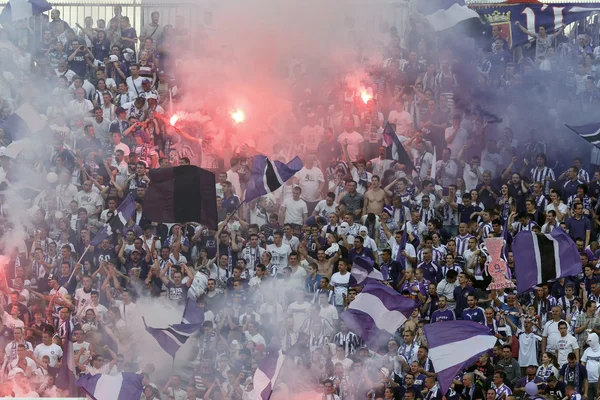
point(425, 215)
point(462, 243)
point(583, 176)
point(501, 391)
point(586, 201)
point(540, 174)
point(486, 229)
point(349, 340)
point(541, 202)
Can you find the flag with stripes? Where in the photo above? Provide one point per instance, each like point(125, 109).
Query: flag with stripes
point(267, 373)
point(377, 313)
point(590, 132)
point(267, 176)
point(543, 258)
point(454, 346)
point(25, 122)
point(192, 314)
point(116, 222)
point(363, 271)
point(444, 14)
point(65, 379)
point(123, 386)
point(395, 149)
point(173, 337)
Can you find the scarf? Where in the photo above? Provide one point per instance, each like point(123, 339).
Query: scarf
point(575, 371)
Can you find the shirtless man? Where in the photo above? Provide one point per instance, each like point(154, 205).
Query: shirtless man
point(375, 197)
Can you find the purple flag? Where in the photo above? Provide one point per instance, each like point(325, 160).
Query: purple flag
point(454, 345)
point(542, 258)
point(377, 313)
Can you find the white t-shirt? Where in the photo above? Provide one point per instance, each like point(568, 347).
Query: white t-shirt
point(471, 178)
point(565, 345)
point(491, 162)
point(54, 352)
point(355, 141)
point(329, 312)
point(279, 255)
point(234, 178)
point(294, 211)
point(299, 313)
point(312, 137)
point(458, 142)
point(89, 201)
point(83, 298)
point(340, 285)
point(323, 210)
point(309, 180)
point(135, 86)
point(402, 119)
point(552, 333)
point(591, 358)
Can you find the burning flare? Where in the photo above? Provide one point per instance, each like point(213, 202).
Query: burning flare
point(365, 95)
point(238, 116)
point(174, 119)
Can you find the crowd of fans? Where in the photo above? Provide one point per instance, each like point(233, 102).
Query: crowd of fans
point(279, 267)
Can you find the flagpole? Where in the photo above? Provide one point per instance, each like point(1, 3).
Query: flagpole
point(233, 213)
point(184, 310)
point(78, 262)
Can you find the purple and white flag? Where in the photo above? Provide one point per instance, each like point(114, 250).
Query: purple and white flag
point(123, 386)
point(362, 272)
point(266, 374)
point(455, 345)
point(377, 313)
point(542, 258)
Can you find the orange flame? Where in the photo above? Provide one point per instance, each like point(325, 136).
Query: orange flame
point(238, 116)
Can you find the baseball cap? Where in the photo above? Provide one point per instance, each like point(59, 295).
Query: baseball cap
point(135, 251)
point(113, 58)
point(151, 96)
point(52, 277)
point(146, 80)
point(388, 210)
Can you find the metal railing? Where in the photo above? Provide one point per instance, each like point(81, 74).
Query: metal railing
point(190, 13)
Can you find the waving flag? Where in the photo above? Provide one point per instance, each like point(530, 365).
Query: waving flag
point(267, 176)
point(192, 314)
point(590, 132)
point(24, 122)
point(396, 150)
point(455, 345)
point(173, 337)
point(17, 10)
point(444, 14)
point(123, 386)
point(363, 271)
point(543, 258)
point(65, 379)
point(117, 221)
point(267, 372)
point(377, 313)
point(182, 194)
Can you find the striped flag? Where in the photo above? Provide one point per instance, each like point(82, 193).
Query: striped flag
point(363, 271)
point(181, 194)
point(590, 132)
point(396, 150)
point(543, 258)
point(173, 337)
point(455, 345)
point(444, 14)
point(123, 386)
point(25, 121)
point(267, 177)
point(65, 379)
point(192, 314)
point(117, 221)
point(377, 313)
point(267, 372)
